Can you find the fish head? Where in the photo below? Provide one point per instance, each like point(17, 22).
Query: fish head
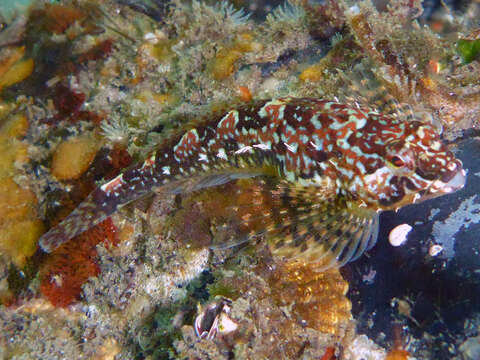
point(416, 166)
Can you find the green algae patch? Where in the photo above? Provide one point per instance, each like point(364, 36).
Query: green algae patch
point(468, 50)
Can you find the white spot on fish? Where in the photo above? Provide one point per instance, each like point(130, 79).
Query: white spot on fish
point(243, 150)
point(452, 166)
point(421, 132)
point(223, 123)
point(221, 154)
point(315, 122)
point(291, 147)
point(263, 146)
point(436, 145)
point(112, 184)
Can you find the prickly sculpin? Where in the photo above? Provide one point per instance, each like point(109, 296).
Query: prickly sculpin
point(325, 171)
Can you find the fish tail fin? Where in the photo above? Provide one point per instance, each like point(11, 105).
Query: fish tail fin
point(101, 203)
point(93, 210)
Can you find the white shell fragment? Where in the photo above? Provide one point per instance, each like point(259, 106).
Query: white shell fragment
point(226, 325)
point(398, 235)
point(435, 249)
point(213, 320)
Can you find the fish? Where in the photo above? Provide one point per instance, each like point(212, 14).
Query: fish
point(320, 171)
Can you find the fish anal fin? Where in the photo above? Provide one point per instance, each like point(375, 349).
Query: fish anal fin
point(227, 212)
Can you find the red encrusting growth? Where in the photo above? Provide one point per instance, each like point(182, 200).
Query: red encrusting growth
point(244, 94)
point(329, 354)
point(107, 164)
point(100, 51)
point(70, 266)
point(68, 104)
point(398, 352)
point(120, 159)
point(58, 18)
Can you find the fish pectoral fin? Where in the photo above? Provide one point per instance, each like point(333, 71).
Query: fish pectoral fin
point(309, 224)
point(305, 223)
point(332, 234)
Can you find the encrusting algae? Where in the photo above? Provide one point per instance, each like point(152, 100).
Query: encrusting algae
point(13, 68)
point(64, 273)
point(73, 157)
point(20, 225)
point(231, 162)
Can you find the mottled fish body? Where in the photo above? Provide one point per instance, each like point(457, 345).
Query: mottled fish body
point(328, 169)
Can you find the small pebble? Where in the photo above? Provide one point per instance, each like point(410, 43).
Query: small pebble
point(398, 235)
point(435, 250)
point(150, 37)
point(471, 348)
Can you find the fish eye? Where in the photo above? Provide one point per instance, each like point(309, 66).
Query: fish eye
point(397, 161)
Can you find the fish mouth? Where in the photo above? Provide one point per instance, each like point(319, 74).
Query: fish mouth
point(439, 187)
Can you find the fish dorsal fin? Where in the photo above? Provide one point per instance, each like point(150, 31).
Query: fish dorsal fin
point(365, 88)
point(309, 224)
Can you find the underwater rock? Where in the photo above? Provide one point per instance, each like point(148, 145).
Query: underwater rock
point(24, 327)
point(363, 348)
point(470, 348)
point(107, 67)
point(444, 294)
point(223, 65)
